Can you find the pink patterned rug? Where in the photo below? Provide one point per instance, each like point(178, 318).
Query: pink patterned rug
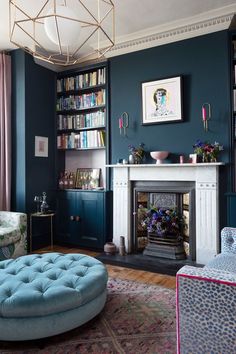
point(137, 319)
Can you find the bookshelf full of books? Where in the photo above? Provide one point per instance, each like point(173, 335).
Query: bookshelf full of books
point(81, 110)
point(81, 120)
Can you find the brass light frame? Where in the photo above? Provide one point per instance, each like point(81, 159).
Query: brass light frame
point(21, 20)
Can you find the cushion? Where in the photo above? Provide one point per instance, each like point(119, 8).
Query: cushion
point(45, 284)
point(223, 261)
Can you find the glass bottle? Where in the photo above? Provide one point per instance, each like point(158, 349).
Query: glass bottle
point(66, 180)
point(44, 205)
point(61, 181)
point(71, 180)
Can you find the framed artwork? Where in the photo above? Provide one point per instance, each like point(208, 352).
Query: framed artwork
point(41, 146)
point(87, 178)
point(162, 101)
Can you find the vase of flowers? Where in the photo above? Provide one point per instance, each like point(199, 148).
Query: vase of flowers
point(207, 151)
point(164, 222)
point(136, 153)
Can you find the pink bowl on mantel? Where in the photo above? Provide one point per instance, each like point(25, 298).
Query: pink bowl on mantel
point(159, 156)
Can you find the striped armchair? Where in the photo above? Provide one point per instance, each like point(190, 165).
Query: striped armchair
point(13, 234)
point(206, 302)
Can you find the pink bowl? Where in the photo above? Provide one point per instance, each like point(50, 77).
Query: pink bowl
point(159, 156)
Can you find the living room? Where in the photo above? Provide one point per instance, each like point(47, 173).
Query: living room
point(200, 54)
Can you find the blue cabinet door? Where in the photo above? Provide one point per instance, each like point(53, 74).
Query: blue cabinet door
point(82, 219)
point(66, 211)
point(91, 206)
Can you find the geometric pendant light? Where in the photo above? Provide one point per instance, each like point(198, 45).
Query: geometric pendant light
point(63, 32)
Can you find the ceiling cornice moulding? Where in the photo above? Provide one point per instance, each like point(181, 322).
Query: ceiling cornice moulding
point(208, 22)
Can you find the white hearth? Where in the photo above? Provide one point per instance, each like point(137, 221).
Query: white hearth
point(205, 176)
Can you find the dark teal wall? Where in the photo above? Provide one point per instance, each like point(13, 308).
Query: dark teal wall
point(33, 115)
point(204, 64)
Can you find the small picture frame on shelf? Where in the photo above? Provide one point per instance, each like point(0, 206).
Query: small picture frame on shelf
point(87, 178)
point(162, 101)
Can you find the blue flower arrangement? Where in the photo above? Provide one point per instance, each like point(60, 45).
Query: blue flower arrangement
point(163, 222)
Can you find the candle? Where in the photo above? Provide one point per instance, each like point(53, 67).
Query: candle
point(204, 114)
point(120, 123)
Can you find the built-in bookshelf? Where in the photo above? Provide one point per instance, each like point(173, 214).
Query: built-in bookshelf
point(82, 151)
point(81, 110)
point(81, 119)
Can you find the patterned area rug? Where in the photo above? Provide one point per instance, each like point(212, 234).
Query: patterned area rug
point(137, 319)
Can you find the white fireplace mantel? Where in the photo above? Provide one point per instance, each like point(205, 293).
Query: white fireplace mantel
point(205, 176)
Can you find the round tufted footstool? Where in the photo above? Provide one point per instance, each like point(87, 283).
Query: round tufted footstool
point(46, 294)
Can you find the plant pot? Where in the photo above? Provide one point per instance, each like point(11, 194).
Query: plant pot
point(110, 248)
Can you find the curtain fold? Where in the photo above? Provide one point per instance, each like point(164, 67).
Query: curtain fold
point(5, 132)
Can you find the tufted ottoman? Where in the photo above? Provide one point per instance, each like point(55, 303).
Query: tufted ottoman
point(46, 294)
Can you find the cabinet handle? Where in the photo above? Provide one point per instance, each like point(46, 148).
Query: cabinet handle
point(77, 218)
point(72, 218)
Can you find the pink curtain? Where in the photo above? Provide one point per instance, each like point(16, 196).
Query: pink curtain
point(5, 132)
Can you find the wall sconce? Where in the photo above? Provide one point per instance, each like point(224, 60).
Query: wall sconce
point(206, 114)
point(123, 123)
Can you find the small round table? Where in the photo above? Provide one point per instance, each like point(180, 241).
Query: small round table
point(42, 215)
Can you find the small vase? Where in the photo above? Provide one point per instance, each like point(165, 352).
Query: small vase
point(213, 159)
point(204, 158)
point(131, 159)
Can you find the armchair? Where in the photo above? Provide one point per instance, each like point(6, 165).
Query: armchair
point(206, 302)
point(13, 234)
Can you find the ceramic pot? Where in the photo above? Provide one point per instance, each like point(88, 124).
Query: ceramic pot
point(131, 159)
point(110, 248)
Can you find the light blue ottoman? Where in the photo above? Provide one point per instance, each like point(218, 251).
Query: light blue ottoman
point(42, 295)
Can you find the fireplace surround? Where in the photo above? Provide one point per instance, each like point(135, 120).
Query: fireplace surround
point(206, 179)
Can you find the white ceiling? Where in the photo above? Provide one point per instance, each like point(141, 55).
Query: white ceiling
point(139, 18)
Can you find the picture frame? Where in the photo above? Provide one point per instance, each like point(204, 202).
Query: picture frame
point(41, 146)
point(87, 178)
point(162, 101)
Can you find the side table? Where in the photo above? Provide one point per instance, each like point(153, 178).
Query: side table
point(41, 215)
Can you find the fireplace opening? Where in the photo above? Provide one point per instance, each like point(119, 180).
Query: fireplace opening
point(164, 219)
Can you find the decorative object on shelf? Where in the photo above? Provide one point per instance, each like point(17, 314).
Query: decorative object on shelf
point(137, 153)
point(122, 246)
point(41, 146)
point(123, 123)
point(110, 248)
point(159, 156)
point(181, 159)
point(193, 158)
point(44, 205)
point(206, 115)
point(87, 178)
point(162, 101)
point(63, 32)
point(38, 199)
point(208, 152)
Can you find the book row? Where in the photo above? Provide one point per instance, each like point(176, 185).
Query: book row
point(88, 100)
point(83, 140)
point(82, 81)
point(80, 121)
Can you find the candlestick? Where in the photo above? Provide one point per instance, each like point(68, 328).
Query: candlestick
point(206, 114)
point(120, 125)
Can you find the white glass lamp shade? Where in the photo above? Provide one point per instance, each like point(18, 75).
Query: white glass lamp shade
point(68, 27)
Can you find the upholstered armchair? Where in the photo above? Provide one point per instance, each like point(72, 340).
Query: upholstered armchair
point(206, 302)
point(13, 234)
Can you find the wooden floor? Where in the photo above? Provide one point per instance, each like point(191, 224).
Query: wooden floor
point(120, 272)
